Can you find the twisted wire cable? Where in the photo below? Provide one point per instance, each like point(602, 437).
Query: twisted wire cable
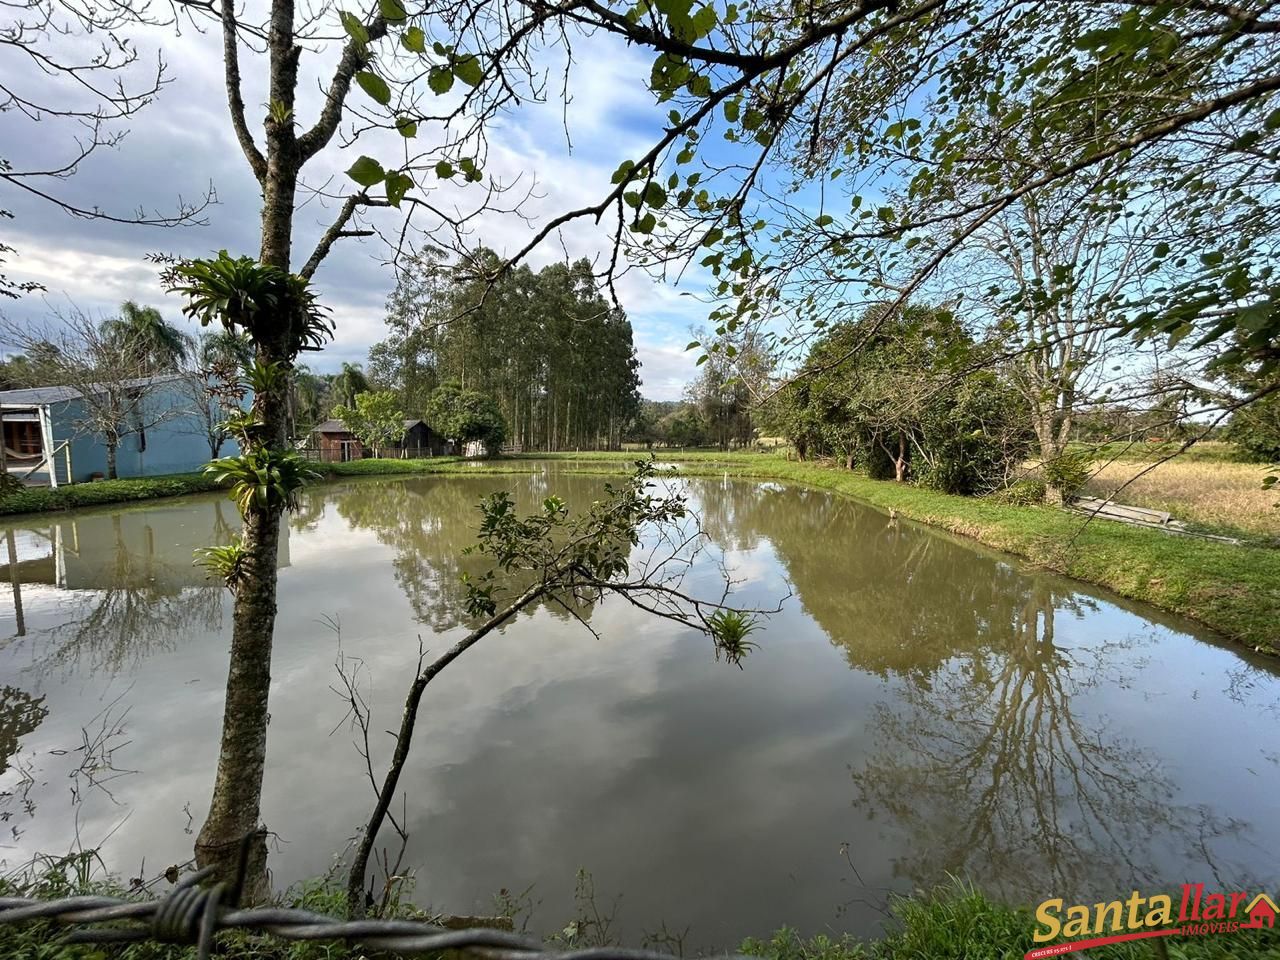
point(192, 915)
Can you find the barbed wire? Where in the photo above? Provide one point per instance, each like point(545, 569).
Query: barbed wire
point(192, 915)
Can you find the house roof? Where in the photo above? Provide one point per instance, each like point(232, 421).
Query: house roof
point(1263, 901)
point(39, 396)
point(337, 426)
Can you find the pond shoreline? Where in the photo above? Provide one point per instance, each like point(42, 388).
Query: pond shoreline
point(1233, 589)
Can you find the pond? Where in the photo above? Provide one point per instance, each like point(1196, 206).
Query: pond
point(919, 708)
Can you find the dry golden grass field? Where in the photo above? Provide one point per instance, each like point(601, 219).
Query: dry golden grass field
point(1215, 493)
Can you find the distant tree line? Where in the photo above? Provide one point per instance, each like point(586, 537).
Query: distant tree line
point(548, 347)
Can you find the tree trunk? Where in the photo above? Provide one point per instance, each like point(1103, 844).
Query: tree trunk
point(900, 461)
point(237, 791)
point(1050, 450)
point(113, 444)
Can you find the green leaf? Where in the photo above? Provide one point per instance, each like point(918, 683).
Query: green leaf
point(731, 111)
point(444, 169)
point(355, 29)
point(700, 85)
point(414, 40)
point(398, 184)
point(468, 69)
point(701, 360)
point(367, 171)
point(408, 128)
point(440, 80)
point(654, 195)
point(646, 224)
point(392, 11)
point(713, 237)
point(704, 21)
point(692, 344)
point(624, 169)
point(374, 86)
point(824, 221)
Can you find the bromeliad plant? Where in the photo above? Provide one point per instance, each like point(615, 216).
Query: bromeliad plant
point(248, 297)
point(264, 477)
point(242, 294)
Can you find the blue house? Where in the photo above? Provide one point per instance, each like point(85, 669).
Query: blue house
point(52, 435)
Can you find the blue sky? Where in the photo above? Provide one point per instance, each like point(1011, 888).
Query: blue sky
point(183, 142)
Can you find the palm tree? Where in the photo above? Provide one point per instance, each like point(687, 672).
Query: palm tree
point(349, 382)
point(307, 394)
point(162, 347)
point(224, 349)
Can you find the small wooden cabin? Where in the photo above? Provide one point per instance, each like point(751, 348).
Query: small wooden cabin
point(337, 444)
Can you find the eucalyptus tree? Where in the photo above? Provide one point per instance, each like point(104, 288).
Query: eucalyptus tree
point(549, 347)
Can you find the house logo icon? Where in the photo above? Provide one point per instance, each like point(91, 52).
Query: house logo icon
point(1199, 914)
point(1262, 911)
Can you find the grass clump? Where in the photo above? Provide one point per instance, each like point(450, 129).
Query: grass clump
point(958, 922)
point(72, 496)
point(954, 922)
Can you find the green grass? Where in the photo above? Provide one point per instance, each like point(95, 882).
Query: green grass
point(958, 923)
point(72, 496)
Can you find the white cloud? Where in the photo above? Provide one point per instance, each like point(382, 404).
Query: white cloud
point(183, 142)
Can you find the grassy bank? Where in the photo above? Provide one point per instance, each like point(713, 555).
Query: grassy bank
point(72, 496)
point(1233, 589)
point(959, 923)
point(956, 923)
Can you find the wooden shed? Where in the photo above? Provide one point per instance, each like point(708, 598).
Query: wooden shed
point(337, 444)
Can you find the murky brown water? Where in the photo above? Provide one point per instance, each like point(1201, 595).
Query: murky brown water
point(919, 708)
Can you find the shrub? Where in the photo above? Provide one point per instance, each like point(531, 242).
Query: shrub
point(1025, 492)
point(1069, 471)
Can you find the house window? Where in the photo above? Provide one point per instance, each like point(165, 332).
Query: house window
point(22, 438)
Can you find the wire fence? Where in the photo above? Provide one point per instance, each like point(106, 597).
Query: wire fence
point(192, 915)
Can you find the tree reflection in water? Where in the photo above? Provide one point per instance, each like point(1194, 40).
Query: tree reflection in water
point(989, 759)
point(20, 713)
point(128, 590)
point(430, 522)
